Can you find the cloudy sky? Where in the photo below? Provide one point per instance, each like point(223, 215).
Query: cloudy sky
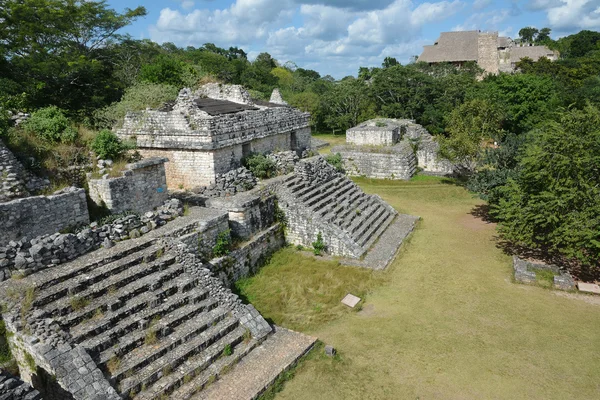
point(338, 36)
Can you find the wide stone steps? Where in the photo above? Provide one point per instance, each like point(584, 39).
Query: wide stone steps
point(189, 381)
point(331, 198)
point(209, 344)
point(89, 263)
point(137, 279)
point(117, 324)
point(199, 371)
point(369, 224)
point(322, 189)
point(368, 240)
point(169, 336)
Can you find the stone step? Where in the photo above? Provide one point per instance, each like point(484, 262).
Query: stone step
point(364, 205)
point(107, 334)
point(68, 286)
point(90, 262)
point(134, 354)
point(172, 359)
point(326, 192)
point(115, 282)
point(132, 299)
point(114, 310)
point(314, 190)
point(188, 380)
point(348, 207)
point(342, 205)
point(327, 203)
point(378, 228)
point(374, 215)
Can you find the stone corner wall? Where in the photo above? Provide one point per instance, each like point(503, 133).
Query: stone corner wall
point(15, 181)
point(143, 187)
point(394, 162)
point(525, 272)
point(41, 215)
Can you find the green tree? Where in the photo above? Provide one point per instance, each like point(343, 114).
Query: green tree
point(528, 34)
point(58, 50)
point(347, 104)
point(554, 202)
point(543, 36)
point(470, 127)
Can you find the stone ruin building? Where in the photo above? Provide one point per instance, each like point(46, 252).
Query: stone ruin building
point(385, 148)
point(491, 52)
point(140, 307)
point(206, 133)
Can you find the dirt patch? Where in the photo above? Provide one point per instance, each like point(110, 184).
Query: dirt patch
point(368, 310)
point(474, 223)
point(590, 299)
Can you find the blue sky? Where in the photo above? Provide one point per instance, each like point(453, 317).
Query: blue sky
point(337, 36)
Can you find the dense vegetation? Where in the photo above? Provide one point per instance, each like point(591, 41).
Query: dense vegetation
point(527, 140)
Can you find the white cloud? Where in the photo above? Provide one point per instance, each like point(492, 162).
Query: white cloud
point(537, 5)
point(481, 4)
point(575, 15)
point(339, 33)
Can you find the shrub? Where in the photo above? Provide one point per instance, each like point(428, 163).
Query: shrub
point(261, 166)
point(137, 97)
point(318, 245)
point(108, 145)
point(336, 161)
point(52, 125)
point(223, 244)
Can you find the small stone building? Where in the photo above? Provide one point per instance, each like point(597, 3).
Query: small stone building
point(207, 133)
point(386, 148)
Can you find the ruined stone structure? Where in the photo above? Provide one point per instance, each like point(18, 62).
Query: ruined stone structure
point(15, 181)
point(208, 132)
point(386, 148)
point(39, 215)
point(525, 272)
point(143, 187)
point(491, 52)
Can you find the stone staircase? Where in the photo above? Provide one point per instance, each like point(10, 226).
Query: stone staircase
point(352, 219)
point(156, 327)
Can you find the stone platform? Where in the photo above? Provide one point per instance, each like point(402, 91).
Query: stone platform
point(256, 372)
point(145, 319)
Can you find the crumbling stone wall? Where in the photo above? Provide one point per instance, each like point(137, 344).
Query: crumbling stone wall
point(249, 212)
point(370, 134)
point(235, 93)
point(26, 255)
point(246, 261)
point(15, 181)
point(142, 187)
point(39, 215)
point(394, 162)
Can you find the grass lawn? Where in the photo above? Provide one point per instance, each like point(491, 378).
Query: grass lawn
point(444, 321)
point(334, 140)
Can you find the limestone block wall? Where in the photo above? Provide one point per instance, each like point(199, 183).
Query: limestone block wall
point(15, 181)
point(249, 212)
point(430, 162)
point(173, 130)
point(42, 215)
point(396, 162)
point(373, 135)
point(248, 259)
point(202, 241)
point(487, 50)
point(143, 187)
point(186, 168)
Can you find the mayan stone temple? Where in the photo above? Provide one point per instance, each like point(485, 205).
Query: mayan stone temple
point(208, 132)
point(141, 306)
point(385, 148)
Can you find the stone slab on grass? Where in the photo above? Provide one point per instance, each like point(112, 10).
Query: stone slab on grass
point(351, 300)
point(588, 287)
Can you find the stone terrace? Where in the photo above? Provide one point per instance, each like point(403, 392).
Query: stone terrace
point(319, 199)
point(152, 318)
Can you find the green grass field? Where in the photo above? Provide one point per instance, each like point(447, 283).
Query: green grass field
point(444, 321)
point(334, 140)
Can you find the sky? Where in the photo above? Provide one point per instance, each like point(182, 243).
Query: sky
point(336, 37)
